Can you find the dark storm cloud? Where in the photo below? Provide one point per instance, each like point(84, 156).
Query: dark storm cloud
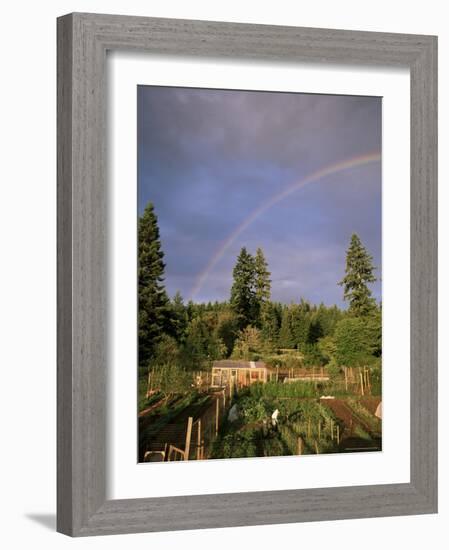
point(208, 158)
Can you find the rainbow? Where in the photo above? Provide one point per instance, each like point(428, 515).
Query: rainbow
point(274, 199)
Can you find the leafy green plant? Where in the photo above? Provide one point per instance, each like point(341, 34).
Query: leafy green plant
point(253, 410)
point(290, 438)
point(361, 433)
point(274, 446)
point(370, 420)
point(239, 444)
point(276, 390)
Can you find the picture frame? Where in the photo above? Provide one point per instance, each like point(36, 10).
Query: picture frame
point(83, 40)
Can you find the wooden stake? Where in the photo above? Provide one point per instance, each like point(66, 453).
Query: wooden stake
point(316, 448)
point(198, 441)
point(346, 377)
point(148, 384)
point(361, 382)
point(188, 437)
point(217, 414)
point(319, 430)
point(300, 446)
point(338, 434)
point(367, 383)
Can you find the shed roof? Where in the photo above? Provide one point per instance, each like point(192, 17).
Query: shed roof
point(239, 364)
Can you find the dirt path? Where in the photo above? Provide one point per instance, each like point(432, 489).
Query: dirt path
point(350, 441)
point(370, 403)
point(155, 405)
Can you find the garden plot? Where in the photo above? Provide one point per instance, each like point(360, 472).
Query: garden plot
point(362, 431)
point(302, 424)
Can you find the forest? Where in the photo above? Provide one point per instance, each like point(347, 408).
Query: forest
point(179, 341)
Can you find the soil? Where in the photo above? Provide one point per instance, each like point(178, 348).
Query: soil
point(349, 441)
point(370, 403)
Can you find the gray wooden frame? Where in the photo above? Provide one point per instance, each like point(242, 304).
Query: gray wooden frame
point(83, 40)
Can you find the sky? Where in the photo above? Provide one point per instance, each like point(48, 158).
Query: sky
point(226, 169)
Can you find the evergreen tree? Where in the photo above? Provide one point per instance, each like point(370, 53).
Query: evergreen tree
point(190, 309)
point(356, 341)
point(270, 325)
point(196, 344)
point(374, 331)
point(286, 339)
point(359, 273)
point(300, 319)
point(328, 318)
point(243, 299)
point(262, 285)
point(202, 346)
point(226, 329)
point(315, 331)
point(178, 318)
point(153, 300)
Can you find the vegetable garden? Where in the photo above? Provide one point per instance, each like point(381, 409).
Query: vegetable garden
point(305, 423)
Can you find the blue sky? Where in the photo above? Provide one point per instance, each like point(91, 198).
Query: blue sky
point(207, 159)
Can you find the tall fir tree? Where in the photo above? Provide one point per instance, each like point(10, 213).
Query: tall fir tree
point(300, 316)
point(262, 286)
point(178, 318)
point(358, 274)
point(315, 331)
point(153, 299)
point(286, 338)
point(270, 325)
point(243, 297)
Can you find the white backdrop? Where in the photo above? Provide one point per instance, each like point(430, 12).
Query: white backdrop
point(27, 289)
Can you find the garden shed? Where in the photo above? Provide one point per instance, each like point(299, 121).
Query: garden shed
point(240, 373)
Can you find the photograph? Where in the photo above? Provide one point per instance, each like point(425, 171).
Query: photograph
point(259, 273)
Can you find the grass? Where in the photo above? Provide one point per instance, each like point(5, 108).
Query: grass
point(362, 434)
point(279, 390)
point(363, 413)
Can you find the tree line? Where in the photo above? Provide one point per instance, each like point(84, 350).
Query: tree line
point(250, 325)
